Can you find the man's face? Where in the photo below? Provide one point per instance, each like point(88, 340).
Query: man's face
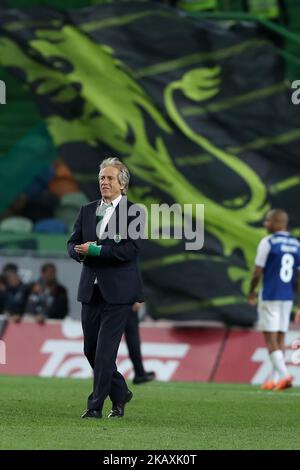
point(49, 275)
point(269, 223)
point(110, 187)
point(12, 278)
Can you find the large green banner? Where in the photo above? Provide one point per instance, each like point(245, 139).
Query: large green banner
point(199, 111)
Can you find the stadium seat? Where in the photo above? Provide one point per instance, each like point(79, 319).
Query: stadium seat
point(67, 214)
point(50, 226)
point(77, 200)
point(16, 224)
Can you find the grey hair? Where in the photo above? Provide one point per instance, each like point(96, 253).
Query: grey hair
point(123, 176)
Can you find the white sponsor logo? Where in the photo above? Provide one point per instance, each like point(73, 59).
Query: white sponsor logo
point(296, 354)
point(66, 358)
point(162, 358)
point(2, 352)
point(292, 357)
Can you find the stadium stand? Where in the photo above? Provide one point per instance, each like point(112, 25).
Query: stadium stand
point(16, 225)
point(75, 200)
point(53, 226)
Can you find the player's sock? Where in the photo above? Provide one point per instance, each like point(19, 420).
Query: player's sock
point(277, 359)
point(274, 376)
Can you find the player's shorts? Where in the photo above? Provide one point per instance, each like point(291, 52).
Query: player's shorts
point(274, 315)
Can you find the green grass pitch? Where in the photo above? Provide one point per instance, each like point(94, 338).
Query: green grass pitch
point(38, 413)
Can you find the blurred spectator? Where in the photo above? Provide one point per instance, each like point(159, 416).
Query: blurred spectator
point(63, 181)
point(13, 292)
point(48, 298)
point(9, 267)
point(2, 293)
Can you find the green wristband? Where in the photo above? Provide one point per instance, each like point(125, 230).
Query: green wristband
point(94, 250)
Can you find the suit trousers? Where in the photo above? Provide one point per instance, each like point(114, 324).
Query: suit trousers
point(103, 325)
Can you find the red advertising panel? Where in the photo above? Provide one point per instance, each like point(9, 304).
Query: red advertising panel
point(56, 350)
point(245, 358)
point(173, 353)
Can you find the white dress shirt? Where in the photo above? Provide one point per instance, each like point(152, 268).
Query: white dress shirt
point(109, 212)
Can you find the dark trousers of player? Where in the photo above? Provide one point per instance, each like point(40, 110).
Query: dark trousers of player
point(133, 342)
point(103, 325)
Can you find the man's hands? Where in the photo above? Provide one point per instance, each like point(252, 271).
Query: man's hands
point(136, 306)
point(252, 299)
point(83, 249)
point(297, 316)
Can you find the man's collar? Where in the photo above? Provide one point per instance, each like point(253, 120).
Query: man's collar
point(115, 202)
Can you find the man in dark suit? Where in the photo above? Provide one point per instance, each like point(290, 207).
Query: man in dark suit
point(110, 283)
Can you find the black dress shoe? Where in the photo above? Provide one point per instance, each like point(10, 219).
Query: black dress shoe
point(147, 377)
point(92, 414)
point(117, 410)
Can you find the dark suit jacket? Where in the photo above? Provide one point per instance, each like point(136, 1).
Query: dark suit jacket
point(116, 268)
